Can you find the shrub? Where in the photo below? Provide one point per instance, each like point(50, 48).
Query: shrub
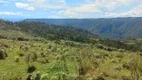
point(45, 77)
point(42, 60)
point(62, 76)
point(136, 67)
point(21, 54)
point(22, 39)
point(101, 56)
point(31, 68)
point(126, 66)
point(4, 45)
point(100, 78)
point(100, 46)
point(17, 59)
point(119, 55)
point(3, 54)
point(31, 57)
point(125, 78)
point(38, 76)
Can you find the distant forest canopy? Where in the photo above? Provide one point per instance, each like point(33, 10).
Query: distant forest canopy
point(112, 28)
point(48, 31)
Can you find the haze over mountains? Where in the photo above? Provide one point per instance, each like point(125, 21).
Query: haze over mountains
point(113, 28)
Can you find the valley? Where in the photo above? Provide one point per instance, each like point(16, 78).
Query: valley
point(51, 52)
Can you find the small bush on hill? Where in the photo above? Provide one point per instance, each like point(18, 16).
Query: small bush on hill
point(3, 54)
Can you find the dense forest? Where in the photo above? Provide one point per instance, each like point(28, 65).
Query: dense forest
point(32, 50)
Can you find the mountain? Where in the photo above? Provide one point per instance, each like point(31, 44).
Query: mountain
point(38, 51)
point(42, 30)
point(113, 28)
point(31, 30)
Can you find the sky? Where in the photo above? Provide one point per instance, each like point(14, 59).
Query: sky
point(70, 8)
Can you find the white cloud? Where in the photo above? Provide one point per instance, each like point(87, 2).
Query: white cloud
point(47, 4)
point(113, 5)
point(83, 9)
point(101, 7)
point(93, 7)
point(2, 1)
point(68, 13)
point(86, 8)
point(25, 6)
point(89, 8)
point(135, 12)
point(110, 4)
point(13, 13)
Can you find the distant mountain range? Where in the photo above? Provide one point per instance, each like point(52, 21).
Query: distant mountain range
point(113, 28)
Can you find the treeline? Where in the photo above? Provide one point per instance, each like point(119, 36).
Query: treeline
point(120, 45)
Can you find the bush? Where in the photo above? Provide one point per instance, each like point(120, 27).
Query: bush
point(31, 68)
point(136, 67)
point(125, 78)
point(126, 66)
point(3, 54)
point(101, 56)
point(42, 60)
point(22, 39)
point(21, 54)
point(45, 77)
point(31, 57)
point(100, 78)
point(17, 59)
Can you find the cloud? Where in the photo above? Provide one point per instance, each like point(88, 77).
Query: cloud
point(2, 1)
point(103, 8)
point(83, 9)
point(135, 12)
point(13, 13)
point(25, 6)
point(47, 4)
point(91, 7)
point(68, 13)
point(86, 8)
point(111, 4)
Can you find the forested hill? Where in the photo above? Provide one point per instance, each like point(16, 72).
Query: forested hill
point(39, 29)
point(113, 28)
point(29, 30)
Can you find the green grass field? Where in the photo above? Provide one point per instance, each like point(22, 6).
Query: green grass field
point(47, 52)
point(66, 60)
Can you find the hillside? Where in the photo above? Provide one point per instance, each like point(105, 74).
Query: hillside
point(42, 30)
point(113, 28)
point(27, 30)
point(27, 51)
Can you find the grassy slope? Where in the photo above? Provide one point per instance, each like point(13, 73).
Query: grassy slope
point(64, 60)
point(60, 59)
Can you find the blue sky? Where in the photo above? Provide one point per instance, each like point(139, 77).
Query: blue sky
point(70, 8)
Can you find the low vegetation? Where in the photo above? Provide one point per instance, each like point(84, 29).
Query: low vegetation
point(25, 56)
